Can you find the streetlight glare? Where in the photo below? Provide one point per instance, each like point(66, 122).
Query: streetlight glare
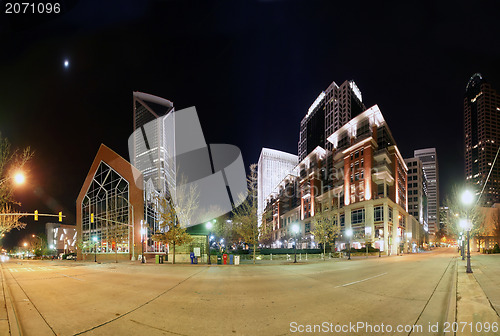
point(348, 232)
point(464, 224)
point(208, 225)
point(19, 178)
point(295, 228)
point(467, 197)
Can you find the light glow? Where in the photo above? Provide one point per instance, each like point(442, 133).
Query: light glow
point(316, 102)
point(467, 197)
point(19, 178)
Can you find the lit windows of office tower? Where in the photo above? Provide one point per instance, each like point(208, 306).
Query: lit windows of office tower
point(273, 167)
point(482, 138)
point(150, 145)
point(428, 156)
point(333, 108)
point(417, 191)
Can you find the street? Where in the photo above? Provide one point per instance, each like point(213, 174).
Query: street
point(68, 298)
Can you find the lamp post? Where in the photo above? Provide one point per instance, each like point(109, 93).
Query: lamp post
point(143, 233)
point(467, 199)
point(349, 234)
point(295, 230)
point(94, 239)
point(462, 245)
point(208, 225)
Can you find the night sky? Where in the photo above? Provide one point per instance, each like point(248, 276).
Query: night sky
point(251, 68)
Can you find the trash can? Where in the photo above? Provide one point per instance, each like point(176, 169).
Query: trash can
point(224, 256)
point(195, 260)
point(191, 255)
point(161, 259)
point(237, 260)
point(219, 259)
point(157, 259)
point(231, 259)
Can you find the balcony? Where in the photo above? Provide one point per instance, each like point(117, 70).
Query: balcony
point(382, 166)
point(381, 155)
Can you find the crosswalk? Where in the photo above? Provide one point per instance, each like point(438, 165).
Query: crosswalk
point(35, 269)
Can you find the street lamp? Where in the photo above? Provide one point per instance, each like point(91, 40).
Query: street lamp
point(18, 177)
point(295, 230)
point(143, 233)
point(94, 239)
point(349, 234)
point(208, 225)
point(467, 200)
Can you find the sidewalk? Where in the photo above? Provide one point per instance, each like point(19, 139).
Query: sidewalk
point(474, 310)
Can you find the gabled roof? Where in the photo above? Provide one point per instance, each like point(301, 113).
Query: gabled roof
point(117, 163)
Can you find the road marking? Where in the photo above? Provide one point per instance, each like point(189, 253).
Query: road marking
point(69, 276)
point(355, 282)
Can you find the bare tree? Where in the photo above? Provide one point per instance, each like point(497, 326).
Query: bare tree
point(245, 216)
point(171, 231)
point(324, 228)
point(458, 212)
point(11, 162)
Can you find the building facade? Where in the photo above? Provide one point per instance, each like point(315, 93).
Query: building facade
point(61, 238)
point(272, 167)
point(110, 209)
point(430, 165)
point(361, 182)
point(482, 138)
point(417, 191)
point(330, 111)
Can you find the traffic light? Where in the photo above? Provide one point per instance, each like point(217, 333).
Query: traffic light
point(92, 217)
point(36, 215)
point(60, 216)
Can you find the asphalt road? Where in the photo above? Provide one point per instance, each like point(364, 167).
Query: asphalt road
point(67, 298)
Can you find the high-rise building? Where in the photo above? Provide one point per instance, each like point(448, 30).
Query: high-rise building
point(329, 112)
point(148, 148)
point(273, 166)
point(482, 137)
point(364, 191)
point(428, 156)
point(417, 191)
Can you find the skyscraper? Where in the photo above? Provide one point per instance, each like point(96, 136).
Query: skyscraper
point(482, 137)
point(273, 166)
point(417, 191)
point(430, 166)
point(148, 147)
point(329, 112)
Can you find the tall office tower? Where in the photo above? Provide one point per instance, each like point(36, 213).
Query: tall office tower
point(417, 191)
point(330, 111)
point(482, 137)
point(430, 165)
point(149, 146)
point(273, 167)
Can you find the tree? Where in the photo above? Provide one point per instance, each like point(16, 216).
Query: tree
point(245, 215)
point(324, 228)
point(458, 211)
point(11, 162)
point(224, 228)
point(171, 231)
